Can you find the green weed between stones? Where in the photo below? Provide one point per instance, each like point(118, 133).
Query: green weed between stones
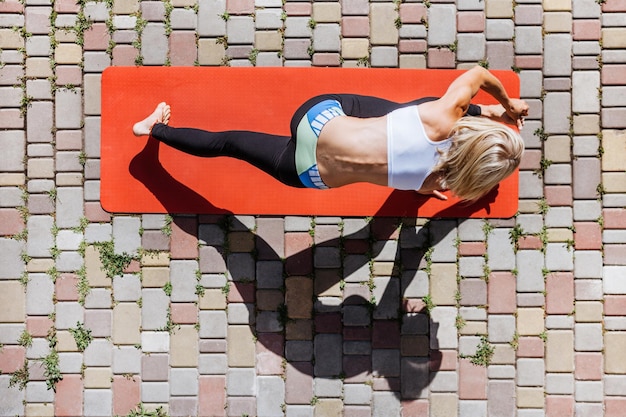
point(484, 353)
point(140, 411)
point(113, 264)
point(82, 336)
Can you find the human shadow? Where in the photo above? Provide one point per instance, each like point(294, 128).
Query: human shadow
point(376, 334)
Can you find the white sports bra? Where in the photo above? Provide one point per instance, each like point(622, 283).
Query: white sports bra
point(411, 155)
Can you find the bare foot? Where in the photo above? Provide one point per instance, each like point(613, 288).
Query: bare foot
point(160, 115)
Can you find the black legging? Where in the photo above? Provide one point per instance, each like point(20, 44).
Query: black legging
point(273, 154)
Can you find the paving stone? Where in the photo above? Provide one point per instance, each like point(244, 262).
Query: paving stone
point(613, 354)
point(443, 332)
point(500, 250)
point(559, 351)
point(271, 392)
point(327, 346)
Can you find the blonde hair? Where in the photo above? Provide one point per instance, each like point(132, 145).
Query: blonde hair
point(483, 153)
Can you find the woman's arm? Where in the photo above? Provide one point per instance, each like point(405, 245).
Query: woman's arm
point(465, 87)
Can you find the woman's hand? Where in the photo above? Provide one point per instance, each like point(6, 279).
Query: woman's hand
point(434, 193)
point(514, 116)
point(517, 109)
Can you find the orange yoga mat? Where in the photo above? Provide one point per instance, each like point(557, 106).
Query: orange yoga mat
point(140, 175)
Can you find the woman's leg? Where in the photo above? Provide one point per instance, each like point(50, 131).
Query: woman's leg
point(271, 153)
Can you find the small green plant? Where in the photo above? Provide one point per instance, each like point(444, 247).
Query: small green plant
point(484, 63)
point(543, 336)
point(167, 227)
point(167, 288)
point(225, 16)
point(515, 234)
point(82, 336)
point(543, 206)
point(20, 377)
point(484, 353)
point(312, 23)
point(25, 339)
point(428, 303)
point(113, 264)
point(459, 322)
point(541, 134)
point(52, 372)
point(140, 411)
point(515, 341)
point(254, 53)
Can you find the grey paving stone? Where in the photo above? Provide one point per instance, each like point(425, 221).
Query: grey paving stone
point(126, 234)
point(475, 408)
point(442, 330)
point(268, 321)
point(98, 233)
point(154, 308)
point(471, 266)
point(299, 410)
point(183, 279)
point(155, 341)
point(588, 337)
point(240, 313)
point(269, 19)
point(270, 395)
point(588, 264)
point(531, 185)
point(184, 381)
point(501, 328)
point(92, 136)
point(471, 46)
point(126, 360)
point(213, 324)
point(499, 29)
point(39, 122)
point(468, 345)
point(386, 362)
point(98, 353)
point(385, 404)
point(70, 362)
point(360, 394)
point(184, 19)
point(416, 323)
point(444, 381)
point(327, 388)
point(588, 409)
point(386, 294)
point(500, 54)
point(38, 349)
point(528, 40)
point(588, 391)
point(530, 372)
point(501, 372)
point(613, 279)
point(531, 83)
point(500, 250)
point(92, 190)
point(357, 347)
point(586, 9)
point(559, 217)
point(39, 292)
point(269, 274)
point(98, 298)
point(68, 314)
point(13, 142)
point(557, 54)
point(327, 37)
point(384, 56)
point(10, 259)
point(559, 257)
point(415, 284)
point(557, 112)
point(559, 384)
point(614, 384)
point(443, 33)
point(40, 239)
point(154, 44)
point(328, 348)
point(241, 267)
point(126, 288)
point(298, 350)
point(586, 178)
point(356, 268)
point(12, 398)
point(588, 289)
point(585, 87)
point(241, 381)
point(558, 174)
point(327, 257)
point(414, 374)
point(501, 398)
point(209, 21)
point(213, 364)
point(613, 96)
point(356, 315)
point(154, 392)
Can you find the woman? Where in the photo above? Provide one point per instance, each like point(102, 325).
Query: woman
point(428, 145)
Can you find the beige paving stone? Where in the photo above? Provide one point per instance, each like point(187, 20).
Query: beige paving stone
point(474, 327)
point(412, 61)
point(125, 6)
point(589, 311)
point(326, 12)
point(10, 39)
point(210, 52)
point(93, 267)
point(268, 40)
point(183, 3)
point(299, 297)
point(39, 265)
point(528, 206)
point(557, 149)
point(560, 235)
point(614, 352)
point(64, 36)
point(614, 146)
point(69, 179)
point(38, 67)
point(614, 38)
point(384, 269)
point(383, 29)
point(97, 378)
point(586, 124)
point(443, 285)
point(126, 324)
point(155, 259)
point(354, 48)
point(155, 277)
point(614, 182)
point(213, 299)
point(444, 405)
point(328, 407)
point(499, 8)
point(554, 5)
point(241, 346)
point(12, 179)
point(184, 347)
point(530, 397)
point(503, 354)
point(560, 351)
point(12, 302)
point(66, 342)
point(530, 321)
point(557, 22)
point(39, 410)
point(40, 168)
point(68, 53)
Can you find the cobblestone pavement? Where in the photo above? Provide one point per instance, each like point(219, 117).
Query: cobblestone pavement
point(102, 314)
